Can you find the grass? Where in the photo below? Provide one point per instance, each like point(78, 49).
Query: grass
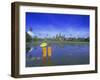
point(67, 42)
point(60, 42)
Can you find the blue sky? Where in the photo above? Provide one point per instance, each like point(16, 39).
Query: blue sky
point(70, 25)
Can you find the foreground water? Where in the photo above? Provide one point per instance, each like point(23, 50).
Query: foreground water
point(62, 54)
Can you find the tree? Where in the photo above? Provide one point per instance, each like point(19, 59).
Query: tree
point(28, 37)
point(35, 38)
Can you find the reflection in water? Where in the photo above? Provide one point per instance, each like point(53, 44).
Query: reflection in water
point(30, 46)
point(46, 54)
point(49, 51)
point(61, 45)
point(58, 54)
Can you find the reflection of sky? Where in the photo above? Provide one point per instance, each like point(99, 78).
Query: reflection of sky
point(44, 24)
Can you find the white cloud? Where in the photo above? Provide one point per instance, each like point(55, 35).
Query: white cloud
point(31, 33)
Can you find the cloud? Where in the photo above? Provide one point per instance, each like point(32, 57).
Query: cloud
point(31, 33)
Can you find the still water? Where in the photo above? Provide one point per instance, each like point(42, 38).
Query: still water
point(62, 54)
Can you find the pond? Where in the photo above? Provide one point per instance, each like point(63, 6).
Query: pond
point(62, 54)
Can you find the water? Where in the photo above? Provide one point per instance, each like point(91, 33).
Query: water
point(62, 54)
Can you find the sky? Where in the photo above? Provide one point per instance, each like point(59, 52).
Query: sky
point(50, 24)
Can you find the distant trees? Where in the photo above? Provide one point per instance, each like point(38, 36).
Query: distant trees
point(86, 39)
point(57, 37)
point(35, 38)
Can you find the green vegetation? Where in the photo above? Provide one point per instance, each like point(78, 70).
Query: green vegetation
point(28, 38)
point(57, 39)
